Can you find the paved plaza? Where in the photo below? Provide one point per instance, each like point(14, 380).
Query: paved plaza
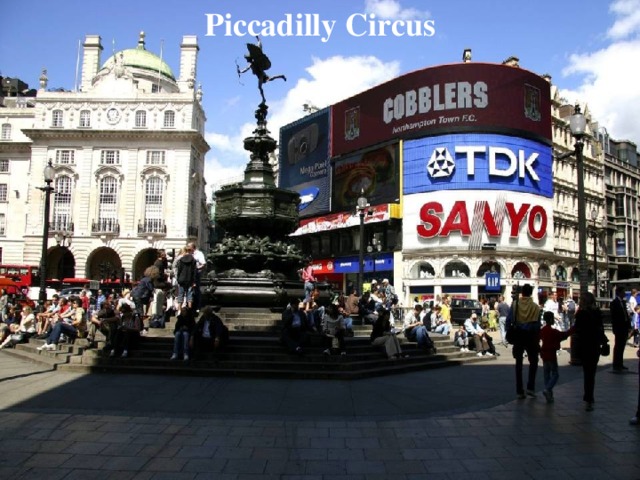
point(461, 422)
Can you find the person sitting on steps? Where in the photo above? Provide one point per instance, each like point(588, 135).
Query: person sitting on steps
point(333, 328)
point(384, 335)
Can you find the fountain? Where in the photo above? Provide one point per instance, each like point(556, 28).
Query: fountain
point(255, 264)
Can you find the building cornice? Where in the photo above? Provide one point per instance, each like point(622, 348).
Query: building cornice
point(123, 136)
point(12, 147)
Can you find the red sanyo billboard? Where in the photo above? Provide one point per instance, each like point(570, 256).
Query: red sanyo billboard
point(465, 97)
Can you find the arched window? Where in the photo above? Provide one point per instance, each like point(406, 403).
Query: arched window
point(141, 118)
point(56, 118)
point(85, 118)
point(62, 204)
point(108, 205)
point(169, 119)
point(153, 211)
point(456, 269)
point(521, 271)
point(423, 270)
point(544, 273)
point(488, 266)
point(6, 131)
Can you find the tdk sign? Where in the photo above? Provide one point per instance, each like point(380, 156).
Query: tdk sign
point(477, 162)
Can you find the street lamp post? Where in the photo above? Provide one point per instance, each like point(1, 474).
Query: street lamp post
point(578, 124)
point(594, 215)
point(47, 189)
point(361, 207)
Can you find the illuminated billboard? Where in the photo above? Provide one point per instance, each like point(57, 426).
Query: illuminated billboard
point(304, 162)
point(477, 162)
point(374, 173)
point(443, 99)
point(469, 219)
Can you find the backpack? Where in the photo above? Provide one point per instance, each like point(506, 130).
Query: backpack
point(186, 270)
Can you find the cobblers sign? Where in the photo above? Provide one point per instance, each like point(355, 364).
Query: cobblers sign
point(447, 98)
point(470, 218)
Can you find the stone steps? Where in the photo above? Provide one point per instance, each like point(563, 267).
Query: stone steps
point(251, 356)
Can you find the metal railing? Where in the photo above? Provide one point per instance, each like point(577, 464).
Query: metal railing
point(105, 226)
point(155, 226)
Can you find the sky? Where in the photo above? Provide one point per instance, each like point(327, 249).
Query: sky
point(590, 49)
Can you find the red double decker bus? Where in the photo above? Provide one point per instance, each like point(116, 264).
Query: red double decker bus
point(24, 275)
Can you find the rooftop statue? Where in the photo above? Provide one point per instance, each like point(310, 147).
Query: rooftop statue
point(259, 63)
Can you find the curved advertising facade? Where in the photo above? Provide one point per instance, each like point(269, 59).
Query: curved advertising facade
point(468, 190)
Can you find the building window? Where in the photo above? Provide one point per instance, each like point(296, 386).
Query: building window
point(6, 131)
point(108, 201)
point(155, 157)
point(153, 195)
point(62, 204)
point(110, 157)
point(620, 205)
point(155, 88)
point(56, 118)
point(169, 119)
point(3, 224)
point(4, 165)
point(3, 192)
point(141, 119)
point(65, 157)
point(85, 118)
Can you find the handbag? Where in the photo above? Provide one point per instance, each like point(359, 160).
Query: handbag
point(512, 330)
point(605, 349)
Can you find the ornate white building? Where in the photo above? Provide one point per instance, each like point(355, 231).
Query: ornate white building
point(128, 152)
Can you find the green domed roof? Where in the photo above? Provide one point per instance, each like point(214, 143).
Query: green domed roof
point(140, 57)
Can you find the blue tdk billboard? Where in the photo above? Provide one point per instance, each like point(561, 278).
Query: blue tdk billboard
point(304, 162)
point(477, 162)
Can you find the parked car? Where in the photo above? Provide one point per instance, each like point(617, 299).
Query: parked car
point(75, 292)
point(462, 308)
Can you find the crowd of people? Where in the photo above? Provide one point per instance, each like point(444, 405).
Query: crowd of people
point(535, 332)
point(123, 317)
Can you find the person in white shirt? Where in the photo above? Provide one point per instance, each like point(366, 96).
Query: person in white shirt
point(201, 263)
point(551, 305)
point(479, 336)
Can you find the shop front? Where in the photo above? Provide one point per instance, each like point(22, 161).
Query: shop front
point(341, 273)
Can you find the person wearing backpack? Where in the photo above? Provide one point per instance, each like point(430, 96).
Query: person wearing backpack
point(186, 277)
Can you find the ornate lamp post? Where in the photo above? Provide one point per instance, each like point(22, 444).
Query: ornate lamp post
point(361, 208)
point(47, 189)
point(578, 124)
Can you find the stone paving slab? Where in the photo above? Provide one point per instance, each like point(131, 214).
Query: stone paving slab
point(456, 423)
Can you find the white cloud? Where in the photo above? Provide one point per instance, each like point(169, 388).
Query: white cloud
point(609, 84)
point(628, 22)
point(392, 10)
point(329, 81)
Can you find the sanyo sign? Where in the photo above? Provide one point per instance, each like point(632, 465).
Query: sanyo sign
point(477, 162)
point(468, 219)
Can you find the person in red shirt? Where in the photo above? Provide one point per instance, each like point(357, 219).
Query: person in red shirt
point(551, 338)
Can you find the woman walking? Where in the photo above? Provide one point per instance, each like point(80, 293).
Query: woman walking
point(590, 333)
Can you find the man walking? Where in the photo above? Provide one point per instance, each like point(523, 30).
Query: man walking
point(525, 315)
point(503, 312)
point(620, 325)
